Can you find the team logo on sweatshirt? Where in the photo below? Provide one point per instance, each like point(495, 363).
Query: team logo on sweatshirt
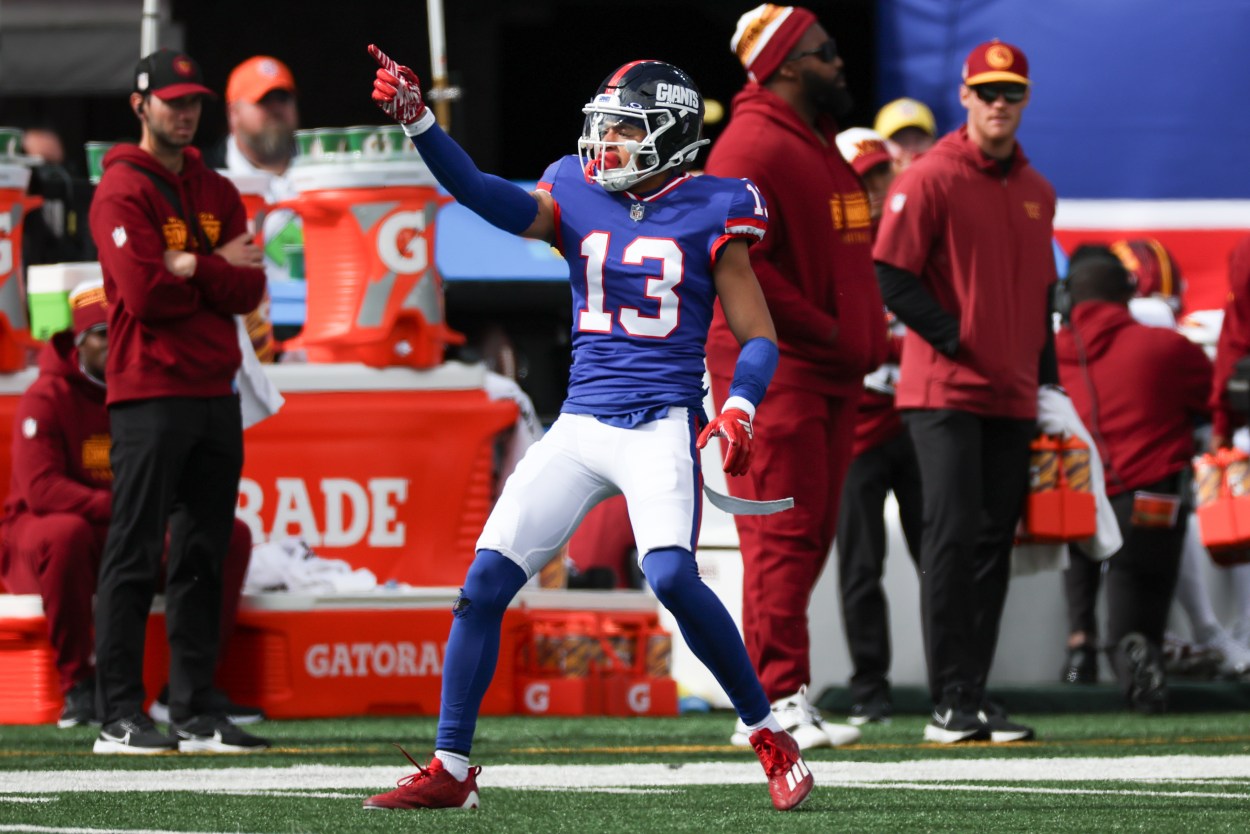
point(211, 226)
point(95, 456)
point(119, 237)
point(30, 427)
point(175, 231)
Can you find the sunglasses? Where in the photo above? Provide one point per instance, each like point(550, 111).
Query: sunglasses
point(826, 52)
point(989, 93)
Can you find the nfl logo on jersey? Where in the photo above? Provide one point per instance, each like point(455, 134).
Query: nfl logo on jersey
point(635, 212)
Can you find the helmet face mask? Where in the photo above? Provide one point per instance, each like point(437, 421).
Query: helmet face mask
point(655, 99)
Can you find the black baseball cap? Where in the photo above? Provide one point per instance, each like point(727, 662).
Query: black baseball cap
point(169, 74)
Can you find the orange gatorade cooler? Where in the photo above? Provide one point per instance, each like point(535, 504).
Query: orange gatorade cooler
point(374, 294)
point(30, 690)
point(14, 324)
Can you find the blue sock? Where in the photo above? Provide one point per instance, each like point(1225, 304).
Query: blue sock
point(473, 647)
point(707, 628)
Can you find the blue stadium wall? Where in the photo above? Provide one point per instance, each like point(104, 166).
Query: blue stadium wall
point(1142, 99)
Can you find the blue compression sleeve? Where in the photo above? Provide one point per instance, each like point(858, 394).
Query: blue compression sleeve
point(473, 646)
point(708, 629)
point(756, 363)
point(495, 200)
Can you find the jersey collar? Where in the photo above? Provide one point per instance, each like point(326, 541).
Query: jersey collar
point(669, 186)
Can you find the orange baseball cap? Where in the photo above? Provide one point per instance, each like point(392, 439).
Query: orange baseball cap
point(251, 80)
point(996, 61)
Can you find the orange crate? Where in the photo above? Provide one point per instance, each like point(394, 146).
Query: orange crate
point(581, 662)
point(317, 657)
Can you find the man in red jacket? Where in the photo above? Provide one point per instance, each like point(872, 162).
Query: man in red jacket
point(178, 266)
point(58, 510)
point(815, 267)
point(1138, 390)
point(964, 259)
point(883, 462)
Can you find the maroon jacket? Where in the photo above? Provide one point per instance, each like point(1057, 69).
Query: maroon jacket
point(815, 262)
point(61, 441)
point(169, 336)
point(1234, 338)
point(878, 420)
point(1137, 389)
point(981, 244)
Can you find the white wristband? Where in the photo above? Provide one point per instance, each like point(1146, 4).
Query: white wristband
point(421, 125)
point(740, 403)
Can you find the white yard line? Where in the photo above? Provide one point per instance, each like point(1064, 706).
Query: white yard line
point(53, 829)
point(1139, 769)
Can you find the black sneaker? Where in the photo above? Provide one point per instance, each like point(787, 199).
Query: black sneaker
point(218, 701)
point(873, 711)
point(1082, 665)
point(215, 734)
point(950, 724)
point(1139, 666)
point(133, 735)
point(1002, 729)
point(79, 708)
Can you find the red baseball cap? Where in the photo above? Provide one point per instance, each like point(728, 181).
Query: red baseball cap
point(253, 79)
point(169, 74)
point(865, 149)
point(995, 61)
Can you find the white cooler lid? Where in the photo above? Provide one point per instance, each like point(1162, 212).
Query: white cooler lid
point(60, 277)
point(363, 174)
point(257, 184)
point(14, 176)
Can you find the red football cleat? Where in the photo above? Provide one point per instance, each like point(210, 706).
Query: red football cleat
point(789, 780)
point(429, 787)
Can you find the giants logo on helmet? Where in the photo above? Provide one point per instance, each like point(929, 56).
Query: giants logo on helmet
point(383, 660)
point(674, 95)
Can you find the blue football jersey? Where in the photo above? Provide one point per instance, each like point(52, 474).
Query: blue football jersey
point(643, 292)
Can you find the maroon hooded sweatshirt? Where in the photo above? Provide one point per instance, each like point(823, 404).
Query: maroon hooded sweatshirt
point(1234, 340)
point(980, 241)
point(61, 441)
point(815, 262)
point(169, 336)
point(1138, 390)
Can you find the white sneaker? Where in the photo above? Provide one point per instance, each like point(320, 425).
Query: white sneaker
point(1235, 656)
point(802, 721)
point(1241, 631)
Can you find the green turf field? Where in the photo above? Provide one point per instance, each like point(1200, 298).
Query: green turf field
point(1086, 773)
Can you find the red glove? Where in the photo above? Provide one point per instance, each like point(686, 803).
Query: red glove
point(397, 91)
point(735, 426)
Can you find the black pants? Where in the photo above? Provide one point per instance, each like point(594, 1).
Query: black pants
point(176, 464)
point(861, 541)
point(1141, 576)
point(974, 471)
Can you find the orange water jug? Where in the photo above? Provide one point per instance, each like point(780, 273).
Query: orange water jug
point(374, 293)
point(15, 339)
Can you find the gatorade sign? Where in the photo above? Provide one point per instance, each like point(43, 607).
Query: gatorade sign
point(402, 245)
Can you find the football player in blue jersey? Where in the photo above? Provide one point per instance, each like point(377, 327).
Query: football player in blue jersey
point(650, 248)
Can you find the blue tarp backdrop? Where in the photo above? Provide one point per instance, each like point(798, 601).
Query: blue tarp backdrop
point(1142, 99)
